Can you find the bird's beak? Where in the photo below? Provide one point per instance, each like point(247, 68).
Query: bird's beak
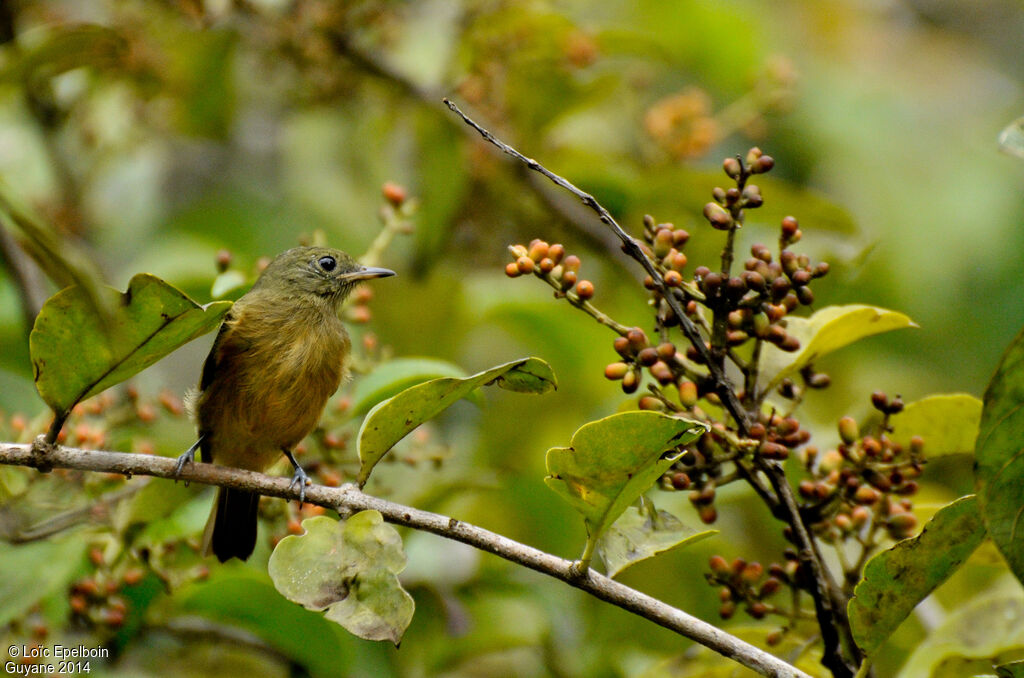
point(368, 272)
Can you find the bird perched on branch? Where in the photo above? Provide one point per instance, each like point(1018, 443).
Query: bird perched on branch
point(281, 352)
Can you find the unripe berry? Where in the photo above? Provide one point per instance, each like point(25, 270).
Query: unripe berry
point(718, 193)
point(848, 431)
point(680, 237)
point(752, 573)
point(673, 279)
point(647, 356)
point(666, 350)
point(805, 295)
point(662, 242)
point(902, 525)
point(538, 250)
point(394, 193)
point(571, 263)
point(524, 264)
point(616, 371)
point(880, 401)
point(727, 610)
point(752, 196)
point(732, 167)
point(630, 382)
point(866, 495)
point(623, 347)
point(681, 481)
point(717, 216)
point(546, 265)
point(585, 289)
point(708, 514)
point(556, 252)
point(732, 196)
point(568, 279)
point(223, 260)
point(753, 154)
point(789, 227)
point(661, 372)
point(650, 403)
point(758, 610)
point(790, 344)
point(637, 338)
point(678, 262)
point(718, 565)
point(763, 164)
point(688, 393)
point(770, 450)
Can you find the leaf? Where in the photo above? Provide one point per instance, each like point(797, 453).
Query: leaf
point(393, 419)
point(637, 536)
point(394, 376)
point(76, 355)
point(895, 581)
point(33, 571)
point(999, 457)
point(1011, 670)
point(982, 630)
point(226, 282)
point(947, 422)
point(830, 329)
point(1011, 139)
point(348, 568)
point(612, 461)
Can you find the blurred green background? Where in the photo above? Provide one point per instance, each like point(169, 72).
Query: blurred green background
point(151, 135)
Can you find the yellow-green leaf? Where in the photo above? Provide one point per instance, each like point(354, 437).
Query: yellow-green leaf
point(830, 329)
point(947, 422)
point(612, 461)
point(76, 354)
point(350, 569)
point(393, 419)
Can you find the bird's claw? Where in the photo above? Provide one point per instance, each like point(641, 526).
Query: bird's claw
point(187, 457)
point(300, 479)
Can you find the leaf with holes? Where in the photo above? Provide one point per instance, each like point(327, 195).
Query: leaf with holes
point(76, 354)
point(830, 329)
point(393, 419)
point(895, 581)
point(612, 461)
point(350, 569)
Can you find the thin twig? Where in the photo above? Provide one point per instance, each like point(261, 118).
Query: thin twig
point(631, 247)
point(349, 499)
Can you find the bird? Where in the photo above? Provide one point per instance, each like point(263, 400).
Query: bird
point(281, 352)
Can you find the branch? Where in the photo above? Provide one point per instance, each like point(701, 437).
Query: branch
point(349, 499)
point(632, 248)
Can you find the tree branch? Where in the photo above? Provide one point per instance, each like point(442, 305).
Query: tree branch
point(349, 499)
point(631, 247)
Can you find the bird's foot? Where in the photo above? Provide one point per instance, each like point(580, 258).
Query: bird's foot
point(187, 457)
point(301, 479)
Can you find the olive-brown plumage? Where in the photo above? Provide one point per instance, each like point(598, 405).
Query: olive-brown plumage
point(280, 353)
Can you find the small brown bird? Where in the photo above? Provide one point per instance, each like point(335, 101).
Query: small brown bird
point(280, 353)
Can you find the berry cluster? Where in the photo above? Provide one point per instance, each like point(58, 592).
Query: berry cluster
point(748, 584)
point(550, 264)
point(863, 486)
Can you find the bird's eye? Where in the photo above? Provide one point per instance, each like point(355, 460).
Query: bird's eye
point(327, 263)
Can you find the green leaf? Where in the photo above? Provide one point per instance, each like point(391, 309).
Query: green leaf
point(637, 535)
point(33, 571)
point(226, 282)
point(1011, 670)
point(999, 459)
point(76, 355)
point(394, 376)
point(393, 419)
point(1011, 139)
point(895, 581)
point(984, 630)
point(830, 329)
point(947, 422)
point(348, 568)
point(612, 461)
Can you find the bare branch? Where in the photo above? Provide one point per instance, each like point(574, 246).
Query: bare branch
point(348, 499)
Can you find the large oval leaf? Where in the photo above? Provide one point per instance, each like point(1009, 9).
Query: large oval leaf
point(350, 569)
point(895, 581)
point(612, 461)
point(76, 354)
point(830, 329)
point(393, 419)
point(947, 422)
point(999, 465)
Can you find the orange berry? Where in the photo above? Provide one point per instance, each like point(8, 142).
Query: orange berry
point(524, 264)
point(585, 289)
point(512, 271)
point(394, 194)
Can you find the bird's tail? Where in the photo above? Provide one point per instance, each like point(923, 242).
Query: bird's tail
point(231, 529)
